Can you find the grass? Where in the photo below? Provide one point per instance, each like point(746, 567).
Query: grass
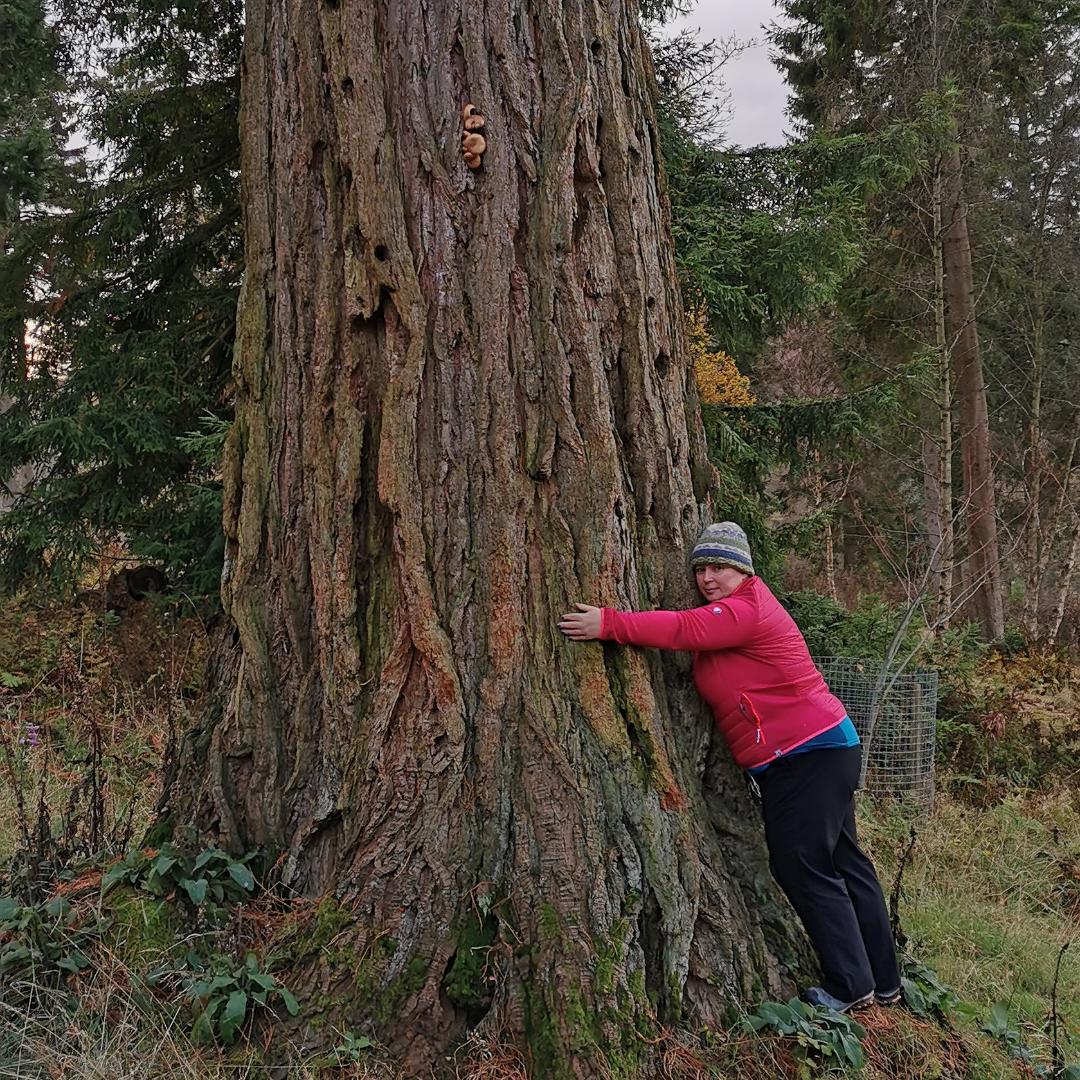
point(990, 896)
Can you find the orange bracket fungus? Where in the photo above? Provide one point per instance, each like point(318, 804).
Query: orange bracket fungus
point(473, 144)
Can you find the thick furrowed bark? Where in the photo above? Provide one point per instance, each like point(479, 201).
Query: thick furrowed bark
point(462, 405)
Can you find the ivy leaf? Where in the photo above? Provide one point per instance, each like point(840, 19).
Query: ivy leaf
point(853, 1049)
point(163, 864)
point(74, 962)
point(242, 876)
point(207, 856)
point(998, 1024)
point(203, 1029)
point(233, 1016)
point(113, 876)
point(196, 889)
point(13, 956)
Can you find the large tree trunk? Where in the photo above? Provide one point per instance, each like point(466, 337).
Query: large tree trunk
point(463, 402)
point(983, 567)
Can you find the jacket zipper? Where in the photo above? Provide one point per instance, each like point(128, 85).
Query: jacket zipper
point(746, 706)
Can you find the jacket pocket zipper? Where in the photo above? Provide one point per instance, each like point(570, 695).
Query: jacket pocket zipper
point(746, 706)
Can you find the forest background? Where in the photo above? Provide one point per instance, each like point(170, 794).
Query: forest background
point(881, 319)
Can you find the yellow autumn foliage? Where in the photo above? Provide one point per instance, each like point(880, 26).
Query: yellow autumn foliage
point(718, 379)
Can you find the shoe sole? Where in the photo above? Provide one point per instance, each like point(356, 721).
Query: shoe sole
point(861, 1003)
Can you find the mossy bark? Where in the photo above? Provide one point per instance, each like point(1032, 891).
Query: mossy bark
point(463, 403)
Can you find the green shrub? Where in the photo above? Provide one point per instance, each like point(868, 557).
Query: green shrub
point(44, 941)
point(225, 996)
point(212, 875)
point(924, 993)
point(832, 630)
point(820, 1034)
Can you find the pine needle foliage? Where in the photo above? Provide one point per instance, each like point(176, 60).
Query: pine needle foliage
point(132, 279)
point(750, 444)
point(765, 237)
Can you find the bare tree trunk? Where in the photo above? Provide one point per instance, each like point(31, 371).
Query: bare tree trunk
point(983, 568)
point(937, 446)
point(1057, 615)
point(946, 547)
point(1033, 457)
point(1033, 470)
point(1057, 515)
point(817, 488)
point(463, 402)
point(935, 515)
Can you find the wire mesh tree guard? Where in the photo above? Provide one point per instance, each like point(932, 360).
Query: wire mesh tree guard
point(895, 715)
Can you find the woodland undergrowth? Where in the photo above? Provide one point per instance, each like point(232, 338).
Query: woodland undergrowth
point(125, 957)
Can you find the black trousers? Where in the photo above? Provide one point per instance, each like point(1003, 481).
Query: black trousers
point(808, 804)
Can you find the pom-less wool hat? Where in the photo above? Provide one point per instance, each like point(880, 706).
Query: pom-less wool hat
point(724, 544)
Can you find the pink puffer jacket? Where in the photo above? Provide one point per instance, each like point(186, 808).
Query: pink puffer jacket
point(751, 665)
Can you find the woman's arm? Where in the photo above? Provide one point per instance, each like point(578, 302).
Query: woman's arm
point(720, 625)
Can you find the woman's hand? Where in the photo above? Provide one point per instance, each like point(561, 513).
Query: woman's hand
point(582, 624)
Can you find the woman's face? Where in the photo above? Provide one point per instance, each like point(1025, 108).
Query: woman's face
point(716, 582)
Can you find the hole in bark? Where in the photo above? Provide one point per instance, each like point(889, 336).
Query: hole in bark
point(361, 323)
point(650, 937)
point(381, 253)
point(468, 980)
point(663, 362)
point(346, 85)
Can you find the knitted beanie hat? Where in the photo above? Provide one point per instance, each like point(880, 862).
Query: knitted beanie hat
point(723, 544)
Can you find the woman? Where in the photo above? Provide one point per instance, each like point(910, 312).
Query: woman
point(783, 725)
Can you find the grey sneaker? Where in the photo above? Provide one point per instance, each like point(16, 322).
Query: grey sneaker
point(816, 996)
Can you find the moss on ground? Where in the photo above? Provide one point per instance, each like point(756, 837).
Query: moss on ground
point(143, 930)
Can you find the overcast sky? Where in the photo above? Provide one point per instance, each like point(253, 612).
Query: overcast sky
point(758, 92)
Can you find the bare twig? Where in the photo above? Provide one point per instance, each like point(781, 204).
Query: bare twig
point(899, 937)
point(1057, 1062)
